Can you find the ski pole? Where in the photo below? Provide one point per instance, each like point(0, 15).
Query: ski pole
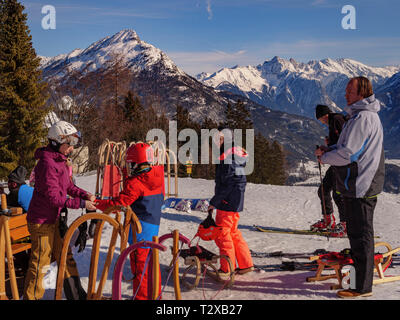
point(322, 189)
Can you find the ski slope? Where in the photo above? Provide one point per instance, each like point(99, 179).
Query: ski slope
point(266, 205)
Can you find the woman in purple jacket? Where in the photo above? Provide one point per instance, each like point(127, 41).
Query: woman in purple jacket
point(52, 185)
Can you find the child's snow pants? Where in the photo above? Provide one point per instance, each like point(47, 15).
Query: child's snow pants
point(140, 264)
point(231, 242)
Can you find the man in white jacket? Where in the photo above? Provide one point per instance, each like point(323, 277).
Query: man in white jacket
point(358, 158)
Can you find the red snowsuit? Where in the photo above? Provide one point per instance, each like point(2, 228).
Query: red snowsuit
point(145, 194)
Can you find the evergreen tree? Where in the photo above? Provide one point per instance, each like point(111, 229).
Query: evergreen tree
point(135, 116)
point(262, 168)
point(22, 98)
point(230, 119)
point(238, 117)
point(278, 163)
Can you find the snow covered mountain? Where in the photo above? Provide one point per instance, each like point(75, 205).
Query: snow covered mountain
point(389, 95)
point(155, 74)
point(295, 87)
point(138, 54)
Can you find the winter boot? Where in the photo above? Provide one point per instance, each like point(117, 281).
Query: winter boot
point(339, 231)
point(73, 289)
point(327, 223)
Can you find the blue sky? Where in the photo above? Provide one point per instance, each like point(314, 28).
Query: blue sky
point(206, 35)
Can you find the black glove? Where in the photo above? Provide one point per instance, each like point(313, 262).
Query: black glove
point(92, 227)
point(82, 237)
point(62, 224)
point(209, 221)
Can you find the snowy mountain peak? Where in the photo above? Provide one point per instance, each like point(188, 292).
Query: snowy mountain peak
point(126, 44)
point(296, 87)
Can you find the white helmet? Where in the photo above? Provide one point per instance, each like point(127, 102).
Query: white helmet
point(64, 132)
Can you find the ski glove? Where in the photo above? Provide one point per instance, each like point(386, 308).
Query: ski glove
point(62, 224)
point(82, 237)
point(92, 225)
point(92, 228)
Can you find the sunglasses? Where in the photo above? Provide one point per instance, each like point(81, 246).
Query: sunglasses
point(74, 139)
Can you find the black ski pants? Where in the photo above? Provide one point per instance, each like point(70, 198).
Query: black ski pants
point(360, 231)
point(329, 187)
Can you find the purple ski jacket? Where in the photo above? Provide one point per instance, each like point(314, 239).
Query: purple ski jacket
point(52, 185)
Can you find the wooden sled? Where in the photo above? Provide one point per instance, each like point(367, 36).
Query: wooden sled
point(206, 261)
point(13, 232)
point(154, 265)
point(381, 262)
point(118, 230)
point(177, 239)
point(111, 163)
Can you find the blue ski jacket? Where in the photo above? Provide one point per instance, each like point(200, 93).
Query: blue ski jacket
point(230, 180)
point(20, 197)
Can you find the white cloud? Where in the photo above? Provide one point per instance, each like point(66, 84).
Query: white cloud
point(209, 10)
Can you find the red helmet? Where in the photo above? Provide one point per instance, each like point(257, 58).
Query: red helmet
point(140, 153)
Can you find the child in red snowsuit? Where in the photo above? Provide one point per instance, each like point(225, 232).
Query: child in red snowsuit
point(230, 185)
point(144, 192)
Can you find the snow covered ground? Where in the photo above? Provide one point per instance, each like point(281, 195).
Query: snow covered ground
point(275, 206)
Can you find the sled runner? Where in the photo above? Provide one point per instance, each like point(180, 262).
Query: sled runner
point(154, 266)
point(337, 260)
point(177, 239)
point(13, 239)
point(198, 256)
point(119, 229)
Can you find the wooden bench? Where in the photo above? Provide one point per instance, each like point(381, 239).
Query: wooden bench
point(19, 233)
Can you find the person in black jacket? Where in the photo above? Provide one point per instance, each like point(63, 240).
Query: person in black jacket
point(20, 193)
point(335, 122)
point(230, 185)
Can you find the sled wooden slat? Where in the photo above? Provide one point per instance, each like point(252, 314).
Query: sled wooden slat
point(18, 221)
point(18, 227)
point(108, 261)
point(6, 251)
point(156, 271)
point(95, 252)
point(175, 257)
point(177, 238)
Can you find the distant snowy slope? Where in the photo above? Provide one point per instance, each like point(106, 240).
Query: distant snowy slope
point(295, 87)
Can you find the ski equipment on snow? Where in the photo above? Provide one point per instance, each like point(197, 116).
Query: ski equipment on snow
point(186, 204)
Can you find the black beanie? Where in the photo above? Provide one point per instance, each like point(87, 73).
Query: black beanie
point(321, 110)
point(18, 175)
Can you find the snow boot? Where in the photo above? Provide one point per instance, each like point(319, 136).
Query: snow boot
point(327, 223)
point(73, 289)
point(244, 270)
point(339, 231)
